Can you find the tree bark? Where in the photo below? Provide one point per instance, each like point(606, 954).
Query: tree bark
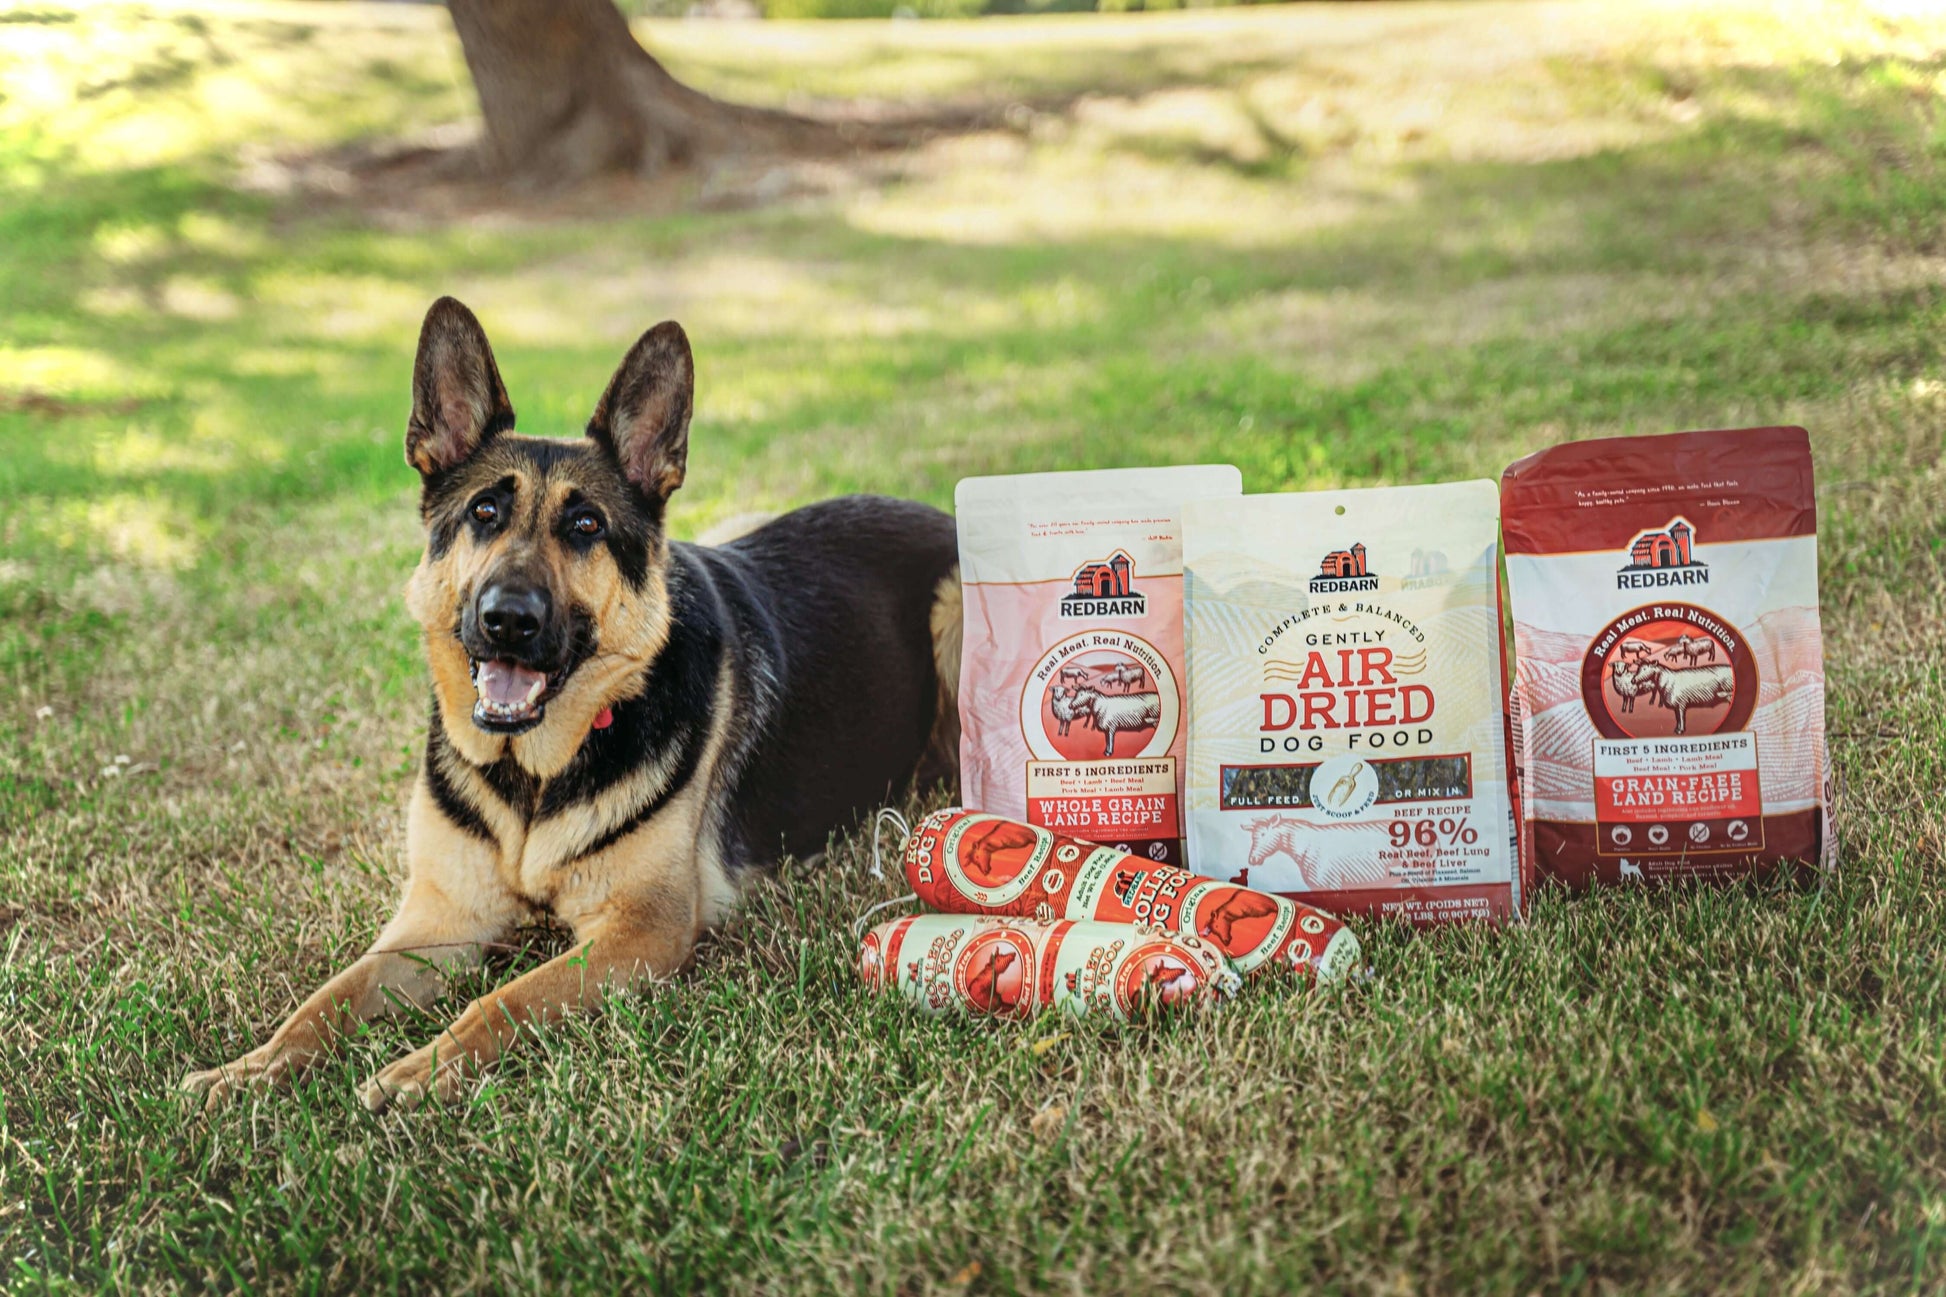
point(567, 93)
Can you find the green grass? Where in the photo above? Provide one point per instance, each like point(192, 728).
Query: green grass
point(1330, 245)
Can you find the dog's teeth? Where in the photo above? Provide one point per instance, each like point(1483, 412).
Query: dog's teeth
point(534, 690)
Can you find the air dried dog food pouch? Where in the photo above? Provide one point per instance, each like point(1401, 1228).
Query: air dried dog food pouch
point(1668, 703)
point(1347, 744)
point(1071, 679)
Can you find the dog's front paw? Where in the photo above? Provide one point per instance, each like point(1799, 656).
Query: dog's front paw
point(410, 1081)
point(257, 1069)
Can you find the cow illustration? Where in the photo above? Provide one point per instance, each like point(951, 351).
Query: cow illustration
point(1680, 690)
point(983, 988)
point(1169, 980)
point(1275, 835)
point(1219, 923)
point(1000, 836)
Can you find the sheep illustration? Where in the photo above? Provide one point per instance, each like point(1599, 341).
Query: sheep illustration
point(1626, 685)
point(1634, 650)
point(1219, 923)
point(1074, 676)
point(1113, 713)
point(1631, 871)
point(1061, 703)
point(1128, 675)
point(1680, 690)
point(1690, 650)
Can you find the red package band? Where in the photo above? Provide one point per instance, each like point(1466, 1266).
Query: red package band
point(947, 963)
point(968, 862)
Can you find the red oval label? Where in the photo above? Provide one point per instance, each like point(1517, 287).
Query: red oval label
point(1666, 669)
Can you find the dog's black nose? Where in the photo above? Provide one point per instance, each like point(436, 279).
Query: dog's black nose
point(512, 616)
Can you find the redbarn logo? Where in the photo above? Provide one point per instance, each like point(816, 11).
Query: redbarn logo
point(1105, 589)
point(1663, 558)
point(1342, 571)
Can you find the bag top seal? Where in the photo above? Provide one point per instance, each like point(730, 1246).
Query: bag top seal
point(1092, 486)
point(1735, 484)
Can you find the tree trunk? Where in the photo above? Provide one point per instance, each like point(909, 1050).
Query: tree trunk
point(567, 93)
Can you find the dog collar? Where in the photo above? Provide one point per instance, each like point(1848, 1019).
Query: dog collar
point(604, 718)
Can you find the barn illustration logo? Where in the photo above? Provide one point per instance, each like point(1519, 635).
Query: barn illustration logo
point(1663, 558)
point(1343, 571)
point(1105, 588)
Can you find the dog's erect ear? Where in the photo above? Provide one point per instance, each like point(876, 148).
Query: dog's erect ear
point(458, 400)
point(643, 417)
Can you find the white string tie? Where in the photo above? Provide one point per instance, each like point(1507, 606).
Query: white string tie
point(878, 822)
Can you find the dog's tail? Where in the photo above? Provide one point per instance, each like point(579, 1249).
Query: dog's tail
point(941, 762)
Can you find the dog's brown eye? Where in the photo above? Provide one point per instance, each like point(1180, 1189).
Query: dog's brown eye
point(585, 524)
point(485, 511)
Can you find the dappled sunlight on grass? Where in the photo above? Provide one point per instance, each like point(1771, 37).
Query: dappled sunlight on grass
point(337, 307)
point(142, 85)
point(141, 530)
point(62, 370)
point(742, 293)
point(143, 451)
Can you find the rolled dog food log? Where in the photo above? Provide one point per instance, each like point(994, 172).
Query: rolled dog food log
point(958, 963)
point(968, 862)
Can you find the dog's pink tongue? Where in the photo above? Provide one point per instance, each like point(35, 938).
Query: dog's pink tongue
point(506, 683)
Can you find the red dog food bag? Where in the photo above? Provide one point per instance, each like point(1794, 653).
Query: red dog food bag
point(1014, 968)
point(1668, 700)
point(1071, 675)
point(966, 862)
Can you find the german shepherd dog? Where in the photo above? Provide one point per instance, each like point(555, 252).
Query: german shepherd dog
point(624, 728)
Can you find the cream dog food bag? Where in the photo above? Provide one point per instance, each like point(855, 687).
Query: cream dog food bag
point(1347, 742)
point(1071, 678)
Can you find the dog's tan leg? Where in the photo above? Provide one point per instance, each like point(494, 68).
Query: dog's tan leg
point(452, 904)
point(427, 939)
point(624, 944)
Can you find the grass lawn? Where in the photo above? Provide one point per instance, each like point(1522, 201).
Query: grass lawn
point(1331, 245)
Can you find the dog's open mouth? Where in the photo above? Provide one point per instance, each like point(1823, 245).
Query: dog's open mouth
point(512, 697)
